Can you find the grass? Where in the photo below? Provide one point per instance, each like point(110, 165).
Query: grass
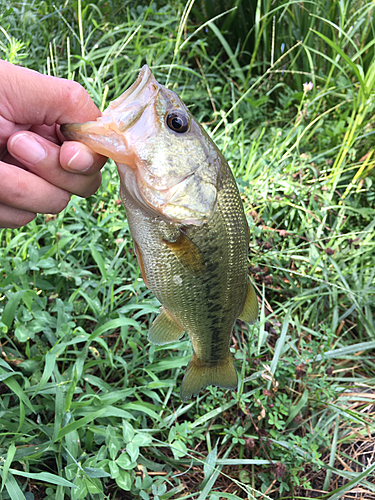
point(89, 409)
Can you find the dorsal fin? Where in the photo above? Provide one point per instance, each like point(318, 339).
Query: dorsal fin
point(250, 309)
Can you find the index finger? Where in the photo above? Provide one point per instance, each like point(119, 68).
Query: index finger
point(29, 97)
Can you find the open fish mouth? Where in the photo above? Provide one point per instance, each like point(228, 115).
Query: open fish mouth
point(141, 91)
point(126, 109)
point(164, 166)
point(106, 135)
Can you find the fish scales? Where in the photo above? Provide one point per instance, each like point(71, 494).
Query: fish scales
point(187, 221)
point(205, 303)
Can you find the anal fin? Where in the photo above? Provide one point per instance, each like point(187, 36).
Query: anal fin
point(164, 329)
point(198, 376)
point(250, 309)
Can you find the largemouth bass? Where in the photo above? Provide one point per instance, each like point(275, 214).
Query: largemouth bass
point(187, 222)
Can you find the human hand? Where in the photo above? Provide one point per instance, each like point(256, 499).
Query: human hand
point(38, 170)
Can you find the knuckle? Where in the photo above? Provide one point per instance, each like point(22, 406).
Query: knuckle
point(76, 97)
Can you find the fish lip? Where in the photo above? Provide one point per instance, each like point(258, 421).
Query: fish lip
point(137, 94)
point(138, 85)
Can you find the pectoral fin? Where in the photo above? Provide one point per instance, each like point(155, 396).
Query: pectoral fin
point(198, 376)
point(187, 252)
point(250, 309)
point(164, 329)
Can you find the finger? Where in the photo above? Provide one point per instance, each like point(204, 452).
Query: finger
point(7, 158)
point(26, 191)
point(42, 158)
point(7, 128)
point(78, 158)
point(29, 97)
point(13, 217)
point(49, 132)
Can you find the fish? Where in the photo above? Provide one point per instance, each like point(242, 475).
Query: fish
point(187, 222)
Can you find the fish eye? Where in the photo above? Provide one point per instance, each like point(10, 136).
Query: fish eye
point(178, 121)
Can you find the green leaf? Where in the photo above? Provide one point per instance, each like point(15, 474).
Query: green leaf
point(22, 333)
point(347, 350)
point(99, 260)
point(143, 408)
point(80, 423)
point(125, 462)
point(179, 449)
point(59, 410)
point(112, 325)
point(13, 489)
point(213, 413)
point(71, 470)
point(94, 486)
point(210, 483)
point(10, 455)
point(114, 468)
point(279, 346)
point(96, 473)
point(133, 451)
point(72, 444)
point(123, 480)
point(142, 439)
point(339, 493)
point(298, 407)
point(50, 361)
point(112, 441)
point(11, 307)
point(22, 415)
point(43, 476)
point(12, 277)
point(209, 463)
point(343, 55)
point(229, 52)
point(34, 451)
point(127, 431)
point(17, 389)
point(81, 489)
point(70, 391)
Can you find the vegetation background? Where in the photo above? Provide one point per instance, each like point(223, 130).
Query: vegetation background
point(88, 408)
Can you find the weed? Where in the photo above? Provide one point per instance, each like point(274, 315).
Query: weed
point(89, 409)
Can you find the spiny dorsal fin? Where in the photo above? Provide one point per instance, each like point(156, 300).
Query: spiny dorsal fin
point(164, 329)
point(250, 309)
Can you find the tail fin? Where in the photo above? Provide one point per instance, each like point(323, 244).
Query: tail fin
point(198, 377)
